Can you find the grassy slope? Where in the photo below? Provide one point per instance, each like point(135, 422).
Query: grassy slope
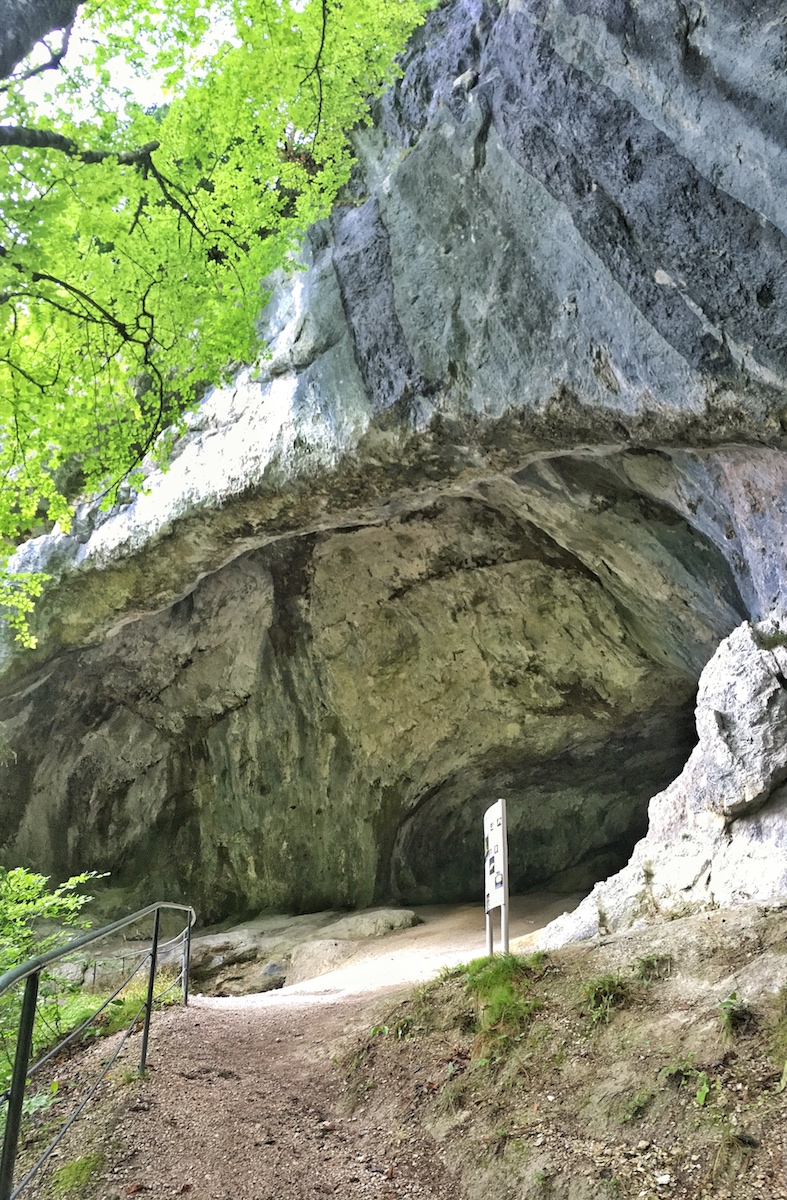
point(646, 1066)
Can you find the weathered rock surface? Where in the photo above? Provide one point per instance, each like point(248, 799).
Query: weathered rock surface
point(514, 468)
point(258, 956)
point(717, 835)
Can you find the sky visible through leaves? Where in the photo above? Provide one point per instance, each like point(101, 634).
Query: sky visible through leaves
point(149, 185)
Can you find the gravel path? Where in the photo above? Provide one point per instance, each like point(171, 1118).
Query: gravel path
point(245, 1097)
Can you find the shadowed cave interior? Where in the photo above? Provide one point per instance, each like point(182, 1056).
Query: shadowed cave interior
point(572, 820)
point(321, 723)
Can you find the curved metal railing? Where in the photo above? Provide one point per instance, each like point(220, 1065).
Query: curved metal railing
point(30, 973)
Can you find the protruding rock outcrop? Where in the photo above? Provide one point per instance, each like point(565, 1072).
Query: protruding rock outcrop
point(717, 836)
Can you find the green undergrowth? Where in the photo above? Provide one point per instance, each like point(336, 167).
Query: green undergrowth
point(72, 1008)
point(64, 1012)
point(605, 993)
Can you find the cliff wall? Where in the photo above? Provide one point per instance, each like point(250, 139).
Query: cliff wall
point(513, 469)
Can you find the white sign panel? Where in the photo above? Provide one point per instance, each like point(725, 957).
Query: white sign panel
point(495, 856)
point(496, 870)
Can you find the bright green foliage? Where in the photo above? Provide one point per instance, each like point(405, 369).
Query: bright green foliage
point(133, 239)
point(25, 900)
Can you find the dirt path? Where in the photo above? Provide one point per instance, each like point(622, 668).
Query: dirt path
point(245, 1099)
point(244, 1105)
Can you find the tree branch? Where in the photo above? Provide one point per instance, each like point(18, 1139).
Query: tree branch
point(46, 139)
point(118, 326)
point(315, 69)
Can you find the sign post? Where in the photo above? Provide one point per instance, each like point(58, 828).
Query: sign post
point(496, 872)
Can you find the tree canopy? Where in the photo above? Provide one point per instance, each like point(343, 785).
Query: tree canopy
point(135, 233)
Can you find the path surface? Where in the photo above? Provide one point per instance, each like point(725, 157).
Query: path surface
point(244, 1099)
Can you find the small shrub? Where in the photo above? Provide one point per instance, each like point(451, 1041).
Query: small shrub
point(682, 1072)
point(735, 1015)
point(636, 1105)
point(653, 967)
point(604, 993)
point(678, 1071)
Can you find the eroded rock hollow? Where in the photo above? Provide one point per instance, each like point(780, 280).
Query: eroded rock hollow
point(511, 473)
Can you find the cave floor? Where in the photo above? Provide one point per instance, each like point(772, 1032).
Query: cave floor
point(446, 934)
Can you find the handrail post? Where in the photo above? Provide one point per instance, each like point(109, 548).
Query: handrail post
point(186, 960)
point(24, 1045)
point(149, 1001)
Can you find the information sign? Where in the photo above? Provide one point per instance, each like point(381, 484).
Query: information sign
point(496, 872)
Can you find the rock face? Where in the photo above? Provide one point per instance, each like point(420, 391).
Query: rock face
point(513, 469)
point(717, 834)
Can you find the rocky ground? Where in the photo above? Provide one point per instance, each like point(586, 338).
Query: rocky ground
point(356, 1085)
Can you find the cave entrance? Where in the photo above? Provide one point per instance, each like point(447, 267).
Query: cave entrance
point(573, 819)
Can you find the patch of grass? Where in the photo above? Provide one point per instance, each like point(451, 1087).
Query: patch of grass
point(442, 1004)
point(401, 1028)
point(446, 973)
point(769, 641)
point(604, 993)
point(501, 986)
point(542, 1182)
point(73, 1177)
point(730, 1157)
point(506, 1012)
point(453, 1096)
point(653, 967)
point(359, 1083)
point(485, 975)
point(777, 1031)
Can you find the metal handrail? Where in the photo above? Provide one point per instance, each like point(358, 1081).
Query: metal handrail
point(30, 971)
point(43, 960)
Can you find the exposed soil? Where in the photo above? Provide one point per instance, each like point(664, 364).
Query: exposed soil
point(333, 1089)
